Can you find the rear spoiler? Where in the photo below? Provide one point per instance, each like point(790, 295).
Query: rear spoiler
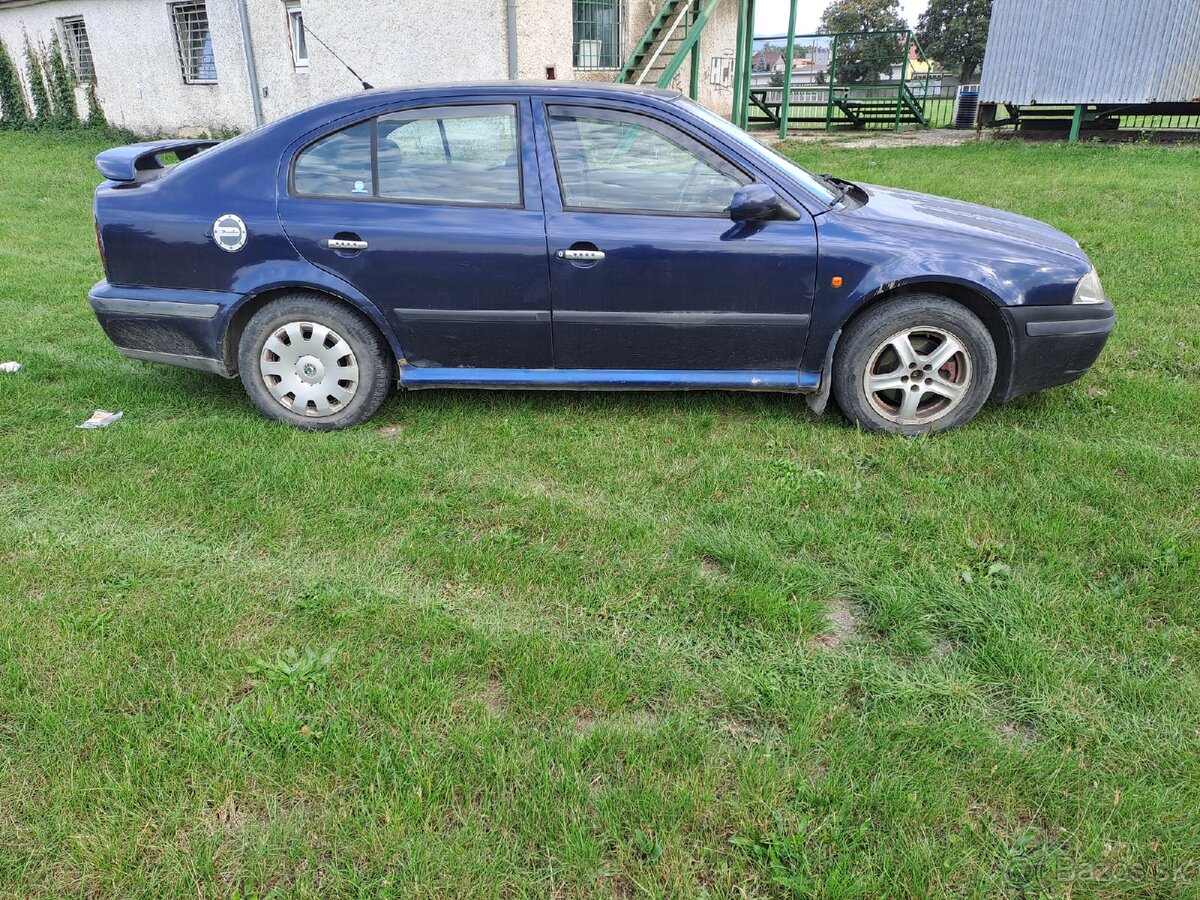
point(129, 162)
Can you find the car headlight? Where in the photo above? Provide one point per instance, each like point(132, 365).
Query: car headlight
point(1089, 290)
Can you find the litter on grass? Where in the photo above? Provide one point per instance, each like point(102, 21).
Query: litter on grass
point(101, 418)
point(10, 367)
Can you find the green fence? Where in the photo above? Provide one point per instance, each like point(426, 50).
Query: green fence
point(870, 79)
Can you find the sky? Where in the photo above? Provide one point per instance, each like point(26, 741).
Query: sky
point(771, 16)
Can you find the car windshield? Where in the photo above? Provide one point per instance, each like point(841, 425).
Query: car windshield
point(807, 180)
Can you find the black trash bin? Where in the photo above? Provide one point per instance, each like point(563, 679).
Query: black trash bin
point(966, 108)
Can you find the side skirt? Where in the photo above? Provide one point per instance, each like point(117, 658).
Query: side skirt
point(416, 378)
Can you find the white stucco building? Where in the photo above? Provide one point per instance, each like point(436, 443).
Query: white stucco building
point(166, 67)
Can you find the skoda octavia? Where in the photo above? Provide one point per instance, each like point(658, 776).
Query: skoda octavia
point(572, 236)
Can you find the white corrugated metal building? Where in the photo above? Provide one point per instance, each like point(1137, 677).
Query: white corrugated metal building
point(1094, 54)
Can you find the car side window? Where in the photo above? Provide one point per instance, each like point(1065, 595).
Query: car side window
point(338, 165)
point(615, 161)
point(460, 155)
point(465, 154)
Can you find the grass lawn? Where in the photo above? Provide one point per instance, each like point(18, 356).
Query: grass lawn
point(507, 644)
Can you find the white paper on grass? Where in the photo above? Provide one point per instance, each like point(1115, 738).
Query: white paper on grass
point(101, 418)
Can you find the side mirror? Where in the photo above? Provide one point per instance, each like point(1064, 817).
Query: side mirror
point(757, 202)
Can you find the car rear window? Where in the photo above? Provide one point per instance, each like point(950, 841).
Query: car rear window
point(456, 155)
point(336, 166)
point(460, 155)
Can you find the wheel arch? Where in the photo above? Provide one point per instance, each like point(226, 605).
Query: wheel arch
point(974, 299)
point(235, 324)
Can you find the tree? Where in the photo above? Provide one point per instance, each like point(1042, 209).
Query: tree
point(862, 57)
point(862, 15)
point(954, 32)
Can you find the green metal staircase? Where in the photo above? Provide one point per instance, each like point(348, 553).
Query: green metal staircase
point(674, 33)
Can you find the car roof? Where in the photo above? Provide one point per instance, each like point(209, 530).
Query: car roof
point(529, 86)
point(333, 113)
point(351, 103)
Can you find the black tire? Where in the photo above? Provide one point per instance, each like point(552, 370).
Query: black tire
point(320, 327)
point(900, 340)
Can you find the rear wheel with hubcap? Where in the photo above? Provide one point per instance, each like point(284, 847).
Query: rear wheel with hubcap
point(914, 364)
point(314, 363)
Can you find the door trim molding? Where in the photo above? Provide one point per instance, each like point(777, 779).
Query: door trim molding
point(602, 317)
point(689, 318)
point(504, 316)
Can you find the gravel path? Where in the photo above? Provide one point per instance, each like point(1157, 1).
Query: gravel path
point(932, 137)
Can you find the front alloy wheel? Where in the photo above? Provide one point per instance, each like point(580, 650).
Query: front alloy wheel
point(918, 375)
point(912, 364)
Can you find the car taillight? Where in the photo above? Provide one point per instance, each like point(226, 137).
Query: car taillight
point(99, 243)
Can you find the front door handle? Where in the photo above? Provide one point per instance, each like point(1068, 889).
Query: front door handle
point(581, 255)
point(344, 244)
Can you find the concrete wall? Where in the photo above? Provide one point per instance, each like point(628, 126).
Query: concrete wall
point(141, 88)
point(137, 69)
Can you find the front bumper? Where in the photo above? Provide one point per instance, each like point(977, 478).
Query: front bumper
point(178, 328)
point(1054, 345)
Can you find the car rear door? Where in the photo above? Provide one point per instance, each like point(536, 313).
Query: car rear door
point(433, 212)
point(646, 269)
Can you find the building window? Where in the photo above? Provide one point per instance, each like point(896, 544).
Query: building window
point(296, 26)
point(78, 50)
point(596, 39)
point(193, 40)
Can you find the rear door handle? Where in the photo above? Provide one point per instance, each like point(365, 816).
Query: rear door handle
point(343, 244)
point(581, 255)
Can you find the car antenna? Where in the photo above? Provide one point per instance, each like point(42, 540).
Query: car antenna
point(367, 86)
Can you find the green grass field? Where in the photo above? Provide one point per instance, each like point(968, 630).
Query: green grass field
point(507, 644)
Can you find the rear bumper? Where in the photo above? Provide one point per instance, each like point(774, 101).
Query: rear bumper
point(178, 328)
point(1054, 345)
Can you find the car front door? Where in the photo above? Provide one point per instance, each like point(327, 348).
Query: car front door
point(646, 269)
point(434, 214)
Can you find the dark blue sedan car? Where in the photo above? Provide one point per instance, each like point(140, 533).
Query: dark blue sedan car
point(572, 236)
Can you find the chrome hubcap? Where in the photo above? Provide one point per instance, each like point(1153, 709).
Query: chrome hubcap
point(309, 368)
point(918, 375)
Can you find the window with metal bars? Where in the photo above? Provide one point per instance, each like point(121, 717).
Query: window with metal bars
point(193, 40)
point(79, 51)
point(597, 32)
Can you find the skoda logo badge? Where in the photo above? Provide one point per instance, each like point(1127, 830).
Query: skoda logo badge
point(230, 233)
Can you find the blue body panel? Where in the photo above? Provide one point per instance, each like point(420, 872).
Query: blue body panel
point(470, 296)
